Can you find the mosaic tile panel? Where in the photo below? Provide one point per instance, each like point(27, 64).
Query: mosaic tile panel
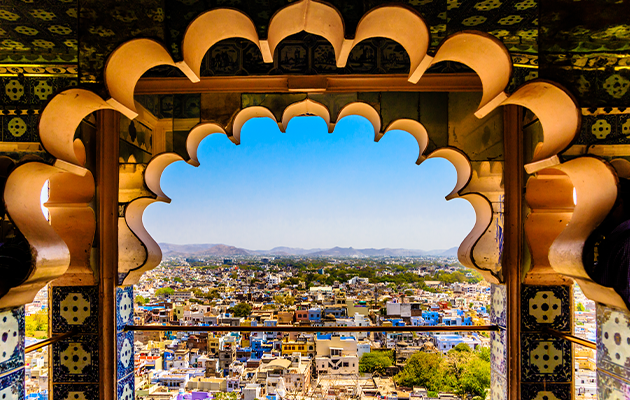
point(11, 339)
point(498, 386)
point(124, 307)
point(545, 358)
point(74, 307)
point(549, 391)
point(498, 351)
point(76, 359)
point(611, 388)
point(124, 354)
point(75, 392)
point(12, 385)
point(613, 341)
point(546, 307)
point(126, 388)
point(498, 295)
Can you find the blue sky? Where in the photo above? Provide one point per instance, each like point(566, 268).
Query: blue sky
point(311, 189)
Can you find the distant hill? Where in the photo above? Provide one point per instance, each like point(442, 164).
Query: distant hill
point(226, 250)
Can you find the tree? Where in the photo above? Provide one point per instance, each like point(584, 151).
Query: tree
point(424, 370)
point(475, 379)
point(580, 307)
point(376, 361)
point(462, 347)
point(164, 291)
point(178, 279)
point(241, 310)
point(141, 300)
point(37, 324)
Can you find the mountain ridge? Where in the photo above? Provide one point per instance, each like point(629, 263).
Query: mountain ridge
point(169, 249)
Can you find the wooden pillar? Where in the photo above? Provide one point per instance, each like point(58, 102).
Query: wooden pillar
point(513, 241)
point(107, 150)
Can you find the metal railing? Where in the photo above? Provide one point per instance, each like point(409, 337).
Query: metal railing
point(48, 342)
point(572, 338)
point(290, 328)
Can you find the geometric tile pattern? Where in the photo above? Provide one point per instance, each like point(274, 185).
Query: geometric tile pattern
point(545, 358)
point(550, 391)
point(11, 339)
point(611, 388)
point(498, 352)
point(75, 392)
point(124, 343)
point(498, 296)
point(604, 128)
point(76, 359)
point(546, 307)
point(498, 387)
point(74, 307)
point(613, 341)
point(125, 359)
point(125, 388)
point(12, 385)
point(124, 307)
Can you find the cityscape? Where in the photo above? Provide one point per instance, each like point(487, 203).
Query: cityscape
point(245, 290)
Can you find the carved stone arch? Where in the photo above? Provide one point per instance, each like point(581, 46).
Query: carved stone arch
point(65, 111)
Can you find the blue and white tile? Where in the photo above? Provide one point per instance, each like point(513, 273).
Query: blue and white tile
point(74, 307)
point(613, 341)
point(498, 386)
point(12, 385)
point(545, 358)
point(11, 339)
point(548, 391)
point(124, 354)
point(611, 388)
point(498, 351)
point(76, 359)
point(126, 388)
point(498, 296)
point(73, 391)
point(546, 307)
point(124, 307)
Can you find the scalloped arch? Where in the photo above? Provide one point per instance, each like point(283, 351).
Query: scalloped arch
point(154, 171)
point(65, 111)
point(196, 136)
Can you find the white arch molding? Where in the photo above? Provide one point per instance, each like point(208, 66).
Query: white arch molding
point(132, 59)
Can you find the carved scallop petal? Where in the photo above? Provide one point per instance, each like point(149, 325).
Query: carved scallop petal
point(308, 16)
point(245, 115)
point(305, 107)
point(400, 24)
point(60, 120)
point(416, 129)
point(488, 57)
point(559, 117)
point(196, 136)
point(461, 164)
point(50, 252)
point(127, 64)
point(213, 26)
point(153, 173)
point(366, 111)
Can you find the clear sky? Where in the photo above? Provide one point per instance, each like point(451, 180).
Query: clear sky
point(311, 189)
